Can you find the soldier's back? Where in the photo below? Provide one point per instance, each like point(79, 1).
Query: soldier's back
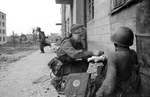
point(127, 81)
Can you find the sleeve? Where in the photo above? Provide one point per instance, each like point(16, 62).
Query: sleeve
point(72, 52)
point(108, 84)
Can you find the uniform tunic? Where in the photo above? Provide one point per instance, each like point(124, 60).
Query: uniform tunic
point(69, 52)
point(122, 66)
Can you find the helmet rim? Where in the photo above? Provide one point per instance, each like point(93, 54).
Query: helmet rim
point(123, 36)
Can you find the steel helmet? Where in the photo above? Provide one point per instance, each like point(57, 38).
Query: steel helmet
point(38, 29)
point(123, 36)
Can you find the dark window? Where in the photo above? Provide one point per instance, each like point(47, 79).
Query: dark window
point(119, 4)
point(3, 38)
point(3, 17)
point(3, 24)
point(4, 32)
point(0, 30)
point(0, 23)
point(0, 38)
point(90, 7)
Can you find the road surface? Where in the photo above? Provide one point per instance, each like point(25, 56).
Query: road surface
point(28, 77)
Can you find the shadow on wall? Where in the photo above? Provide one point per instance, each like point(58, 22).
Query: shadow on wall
point(107, 48)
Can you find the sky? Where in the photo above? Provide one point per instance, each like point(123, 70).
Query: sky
point(24, 15)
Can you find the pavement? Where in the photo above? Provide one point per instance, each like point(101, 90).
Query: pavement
point(28, 77)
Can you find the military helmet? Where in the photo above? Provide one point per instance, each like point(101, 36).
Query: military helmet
point(38, 29)
point(123, 36)
point(75, 27)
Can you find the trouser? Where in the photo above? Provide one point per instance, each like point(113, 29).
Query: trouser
point(42, 45)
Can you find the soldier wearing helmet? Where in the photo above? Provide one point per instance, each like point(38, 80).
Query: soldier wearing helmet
point(42, 39)
point(122, 76)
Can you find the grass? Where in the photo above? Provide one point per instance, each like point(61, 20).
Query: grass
point(9, 54)
point(9, 49)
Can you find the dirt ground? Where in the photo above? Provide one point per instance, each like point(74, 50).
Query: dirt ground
point(26, 74)
point(11, 54)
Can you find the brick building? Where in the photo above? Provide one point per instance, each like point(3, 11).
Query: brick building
point(103, 17)
point(2, 28)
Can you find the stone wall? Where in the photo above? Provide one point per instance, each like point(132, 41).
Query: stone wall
point(98, 29)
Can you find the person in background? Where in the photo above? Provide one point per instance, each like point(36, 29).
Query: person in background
point(42, 39)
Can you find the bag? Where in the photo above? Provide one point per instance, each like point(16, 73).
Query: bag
point(77, 84)
point(55, 64)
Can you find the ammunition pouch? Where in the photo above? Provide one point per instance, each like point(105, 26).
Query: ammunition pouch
point(55, 65)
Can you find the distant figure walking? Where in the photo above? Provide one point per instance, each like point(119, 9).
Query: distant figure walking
point(42, 40)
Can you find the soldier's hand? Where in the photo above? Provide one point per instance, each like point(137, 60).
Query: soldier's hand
point(87, 54)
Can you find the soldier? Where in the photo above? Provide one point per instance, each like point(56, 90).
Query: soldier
point(122, 77)
point(42, 39)
point(72, 54)
point(71, 50)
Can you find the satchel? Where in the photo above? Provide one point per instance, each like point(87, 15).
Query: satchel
point(55, 65)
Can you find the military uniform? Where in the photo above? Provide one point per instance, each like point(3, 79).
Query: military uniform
point(122, 76)
point(42, 39)
point(73, 56)
point(122, 65)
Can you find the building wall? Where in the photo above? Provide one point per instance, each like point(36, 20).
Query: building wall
point(74, 11)
point(63, 27)
point(98, 29)
point(104, 24)
point(80, 14)
point(143, 44)
point(72, 14)
point(66, 19)
point(3, 38)
point(125, 17)
point(62, 21)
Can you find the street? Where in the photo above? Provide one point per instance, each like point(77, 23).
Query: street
point(28, 77)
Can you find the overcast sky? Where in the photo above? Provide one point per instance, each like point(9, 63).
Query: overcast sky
point(23, 15)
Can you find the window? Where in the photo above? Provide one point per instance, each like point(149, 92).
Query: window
point(90, 7)
point(119, 4)
point(0, 38)
point(0, 23)
point(3, 17)
point(0, 31)
point(3, 24)
point(3, 38)
point(4, 32)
